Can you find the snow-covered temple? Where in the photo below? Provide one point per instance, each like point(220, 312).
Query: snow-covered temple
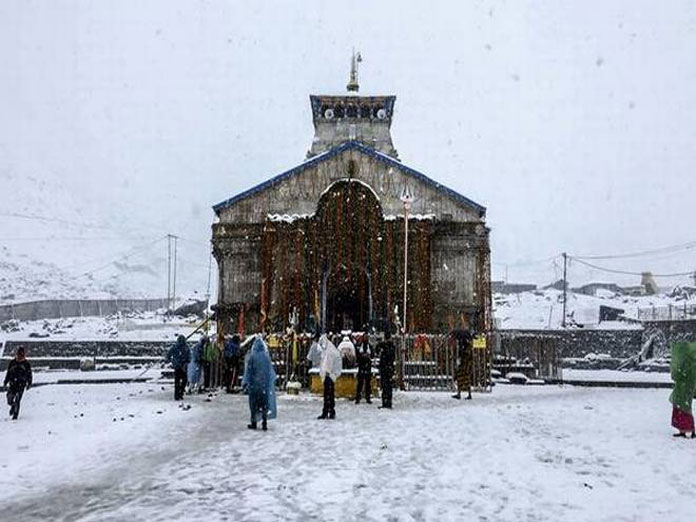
point(325, 240)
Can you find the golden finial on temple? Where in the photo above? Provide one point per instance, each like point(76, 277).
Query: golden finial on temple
point(353, 83)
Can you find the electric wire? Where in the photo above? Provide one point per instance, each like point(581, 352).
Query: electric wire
point(668, 249)
point(121, 257)
point(528, 263)
point(628, 272)
point(75, 238)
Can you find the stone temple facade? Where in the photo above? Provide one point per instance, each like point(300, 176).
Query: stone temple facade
point(323, 243)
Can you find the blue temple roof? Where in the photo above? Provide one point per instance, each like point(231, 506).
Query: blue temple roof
point(348, 145)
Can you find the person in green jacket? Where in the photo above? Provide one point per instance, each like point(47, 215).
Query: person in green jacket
point(207, 350)
point(683, 370)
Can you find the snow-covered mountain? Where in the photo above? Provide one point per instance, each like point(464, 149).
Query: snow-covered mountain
point(62, 241)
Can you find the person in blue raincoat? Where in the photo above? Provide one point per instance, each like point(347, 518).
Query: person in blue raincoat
point(194, 368)
point(231, 354)
point(259, 380)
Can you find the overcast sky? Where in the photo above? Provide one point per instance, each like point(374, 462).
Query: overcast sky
point(572, 122)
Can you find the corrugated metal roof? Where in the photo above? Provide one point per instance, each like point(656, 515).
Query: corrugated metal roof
point(348, 145)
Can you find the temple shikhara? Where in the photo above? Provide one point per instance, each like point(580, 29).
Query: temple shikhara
point(325, 244)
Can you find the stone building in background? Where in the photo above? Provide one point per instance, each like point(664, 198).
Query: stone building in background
point(324, 242)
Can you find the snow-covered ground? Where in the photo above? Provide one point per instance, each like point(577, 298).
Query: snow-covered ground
point(615, 376)
point(543, 309)
point(520, 453)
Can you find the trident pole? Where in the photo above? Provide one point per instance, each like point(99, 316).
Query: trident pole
point(406, 199)
point(405, 264)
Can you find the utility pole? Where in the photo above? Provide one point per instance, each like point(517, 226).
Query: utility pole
point(210, 270)
point(565, 288)
point(169, 272)
point(174, 281)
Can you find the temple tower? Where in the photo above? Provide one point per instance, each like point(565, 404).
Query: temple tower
point(352, 117)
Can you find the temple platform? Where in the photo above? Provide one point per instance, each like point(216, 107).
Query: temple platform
point(345, 386)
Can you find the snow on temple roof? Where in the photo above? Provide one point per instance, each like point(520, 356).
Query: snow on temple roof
point(348, 145)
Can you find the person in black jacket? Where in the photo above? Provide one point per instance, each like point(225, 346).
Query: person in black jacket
point(17, 378)
point(179, 357)
point(363, 354)
point(386, 368)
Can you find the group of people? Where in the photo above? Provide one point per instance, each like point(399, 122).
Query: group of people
point(331, 360)
point(259, 377)
point(194, 366)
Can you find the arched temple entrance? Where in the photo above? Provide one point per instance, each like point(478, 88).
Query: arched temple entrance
point(346, 301)
point(350, 218)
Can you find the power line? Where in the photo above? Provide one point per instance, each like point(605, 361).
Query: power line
point(627, 272)
point(35, 217)
point(76, 238)
point(527, 263)
point(128, 255)
point(51, 219)
point(668, 249)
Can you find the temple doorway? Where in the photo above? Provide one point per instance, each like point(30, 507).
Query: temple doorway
point(347, 299)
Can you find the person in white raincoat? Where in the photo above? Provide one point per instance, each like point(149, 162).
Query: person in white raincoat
point(314, 354)
point(347, 349)
point(330, 367)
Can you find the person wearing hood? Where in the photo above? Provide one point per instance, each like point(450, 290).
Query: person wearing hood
point(364, 358)
point(17, 379)
point(683, 370)
point(259, 380)
point(194, 368)
point(465, 362)
point(330, 368)
point(347, 349)
point(386, 368)
point(179, 358)
point(314, 353)
point(231, 361)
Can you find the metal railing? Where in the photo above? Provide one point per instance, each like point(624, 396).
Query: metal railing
point(428, 362)
point(670, 312)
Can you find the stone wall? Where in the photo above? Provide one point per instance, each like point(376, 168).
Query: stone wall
point(58, 308)
point(574, 343)
point(67, 354)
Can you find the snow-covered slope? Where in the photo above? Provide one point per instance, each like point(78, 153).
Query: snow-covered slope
point(127, 326)
point(59, 241)
point(543, 309)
